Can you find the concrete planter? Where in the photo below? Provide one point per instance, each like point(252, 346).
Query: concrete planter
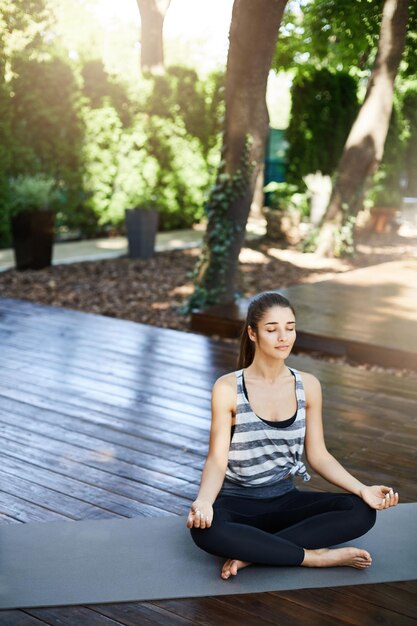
point(141, 228)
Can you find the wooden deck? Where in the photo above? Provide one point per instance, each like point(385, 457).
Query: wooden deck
point(102, 417)
point(368, 315)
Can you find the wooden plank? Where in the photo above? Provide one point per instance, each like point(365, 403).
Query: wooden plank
point(16, 509)
point(136, 613)
point(19, 618)
point(67, 616)
point(336, 603)
point(102, 499)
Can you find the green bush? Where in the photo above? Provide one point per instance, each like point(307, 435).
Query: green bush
point(46, 121)
point(286, 197)
point(100, 160)
point(180, 93)
point(410, 119)
point(153, 163)
point(110, 154)
point(5, 152)
point(184, 176)
point(48, 131)
point(101, 90)
point(324, 105)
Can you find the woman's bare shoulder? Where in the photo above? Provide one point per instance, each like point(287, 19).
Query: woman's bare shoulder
point(310, 381)
point(226, 382)
point(224, 393)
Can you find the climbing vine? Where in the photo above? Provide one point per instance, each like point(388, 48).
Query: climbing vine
point(210, 271)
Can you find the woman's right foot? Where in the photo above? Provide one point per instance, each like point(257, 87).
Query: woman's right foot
point(231, 567)
point(333, 557)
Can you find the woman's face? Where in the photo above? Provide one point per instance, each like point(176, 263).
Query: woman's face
point(276, 332)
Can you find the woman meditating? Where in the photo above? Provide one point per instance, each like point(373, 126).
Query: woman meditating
point(263, 416)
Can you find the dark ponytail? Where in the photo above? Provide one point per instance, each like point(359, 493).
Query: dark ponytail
point(258, 305)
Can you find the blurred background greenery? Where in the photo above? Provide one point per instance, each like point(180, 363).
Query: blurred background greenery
point(75, 107)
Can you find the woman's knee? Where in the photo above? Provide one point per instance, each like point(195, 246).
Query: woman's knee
point(204, 538)
point(214, 540)
point(363, 515)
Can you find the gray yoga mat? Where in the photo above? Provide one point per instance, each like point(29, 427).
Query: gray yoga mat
point(120, 560)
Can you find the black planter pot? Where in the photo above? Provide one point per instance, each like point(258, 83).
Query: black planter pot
point(141, 228)
point(33, 238)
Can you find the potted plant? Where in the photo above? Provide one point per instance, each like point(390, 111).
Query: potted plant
point(386, 204)
point(32, 207)
point(285, 206)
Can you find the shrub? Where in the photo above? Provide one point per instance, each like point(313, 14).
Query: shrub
point(324, 105)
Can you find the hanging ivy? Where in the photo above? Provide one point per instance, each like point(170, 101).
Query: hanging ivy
point(210, 271)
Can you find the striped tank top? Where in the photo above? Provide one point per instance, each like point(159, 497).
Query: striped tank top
point(264, 453)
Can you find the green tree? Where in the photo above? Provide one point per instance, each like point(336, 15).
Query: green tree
point(244, 138)
point(5, 143)
point(328, 34)
point(364, 146)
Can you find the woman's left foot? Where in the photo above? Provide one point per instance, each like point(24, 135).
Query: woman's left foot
point(231, 567)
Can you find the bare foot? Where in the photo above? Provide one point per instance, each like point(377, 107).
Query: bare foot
point(327, 557)
point(231, 567)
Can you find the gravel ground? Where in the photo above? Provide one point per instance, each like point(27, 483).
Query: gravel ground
point(151, 291)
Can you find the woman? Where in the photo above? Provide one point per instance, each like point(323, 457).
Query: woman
point(247, 508)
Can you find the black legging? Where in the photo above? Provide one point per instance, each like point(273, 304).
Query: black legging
point(274, 531)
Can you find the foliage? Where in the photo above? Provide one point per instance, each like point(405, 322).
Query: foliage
point(220, 233)
point(47, 129)
point(286, 197)
point(5, 150)
point(137, 174)
point(46, 121)
point(184, 176)
point(23, 24)
point(198, 103)
point(409, 110)
point(329, 34)
point(101, 90)
point(153, 163)
point(324, 105)
point(75, 122)
point(344, 241)
point(36, 192)
point(103, 132)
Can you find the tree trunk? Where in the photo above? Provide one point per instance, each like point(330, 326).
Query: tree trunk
point(364, 146)
point(253, 34)
point(152, 15)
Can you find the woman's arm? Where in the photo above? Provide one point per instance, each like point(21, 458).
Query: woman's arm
point(325, 464)
point(223, 395)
